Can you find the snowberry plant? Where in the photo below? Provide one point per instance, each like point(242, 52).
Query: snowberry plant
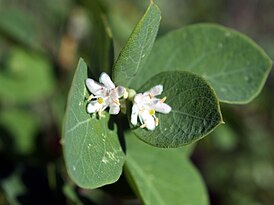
point(160, 97)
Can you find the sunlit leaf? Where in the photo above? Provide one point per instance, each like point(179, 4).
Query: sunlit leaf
point(195, 110)
point(138, 47)
point(92, 151)
point(234, 65)
point(163, 176)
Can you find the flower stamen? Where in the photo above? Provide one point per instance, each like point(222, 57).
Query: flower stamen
point(143, 125)
point(145, 106)
point(100, 113)
point(116, 102)
point(90, 97)
point(142, 110)
point(163, 100)
point(103, 95)
point(156, 121)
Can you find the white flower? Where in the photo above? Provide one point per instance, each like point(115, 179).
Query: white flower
point(104, 95)
point(145, 105)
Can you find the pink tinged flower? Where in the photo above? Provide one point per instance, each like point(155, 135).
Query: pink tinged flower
point(104, 95)
point(145, 106)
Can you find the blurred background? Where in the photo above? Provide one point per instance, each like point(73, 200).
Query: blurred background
point(40, 44)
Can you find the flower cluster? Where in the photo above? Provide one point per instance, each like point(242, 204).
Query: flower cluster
point(145, 105)
point(104, 95)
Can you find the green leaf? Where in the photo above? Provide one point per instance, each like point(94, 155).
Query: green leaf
point(70, 193)
point(234, 65)
point(138, 47)
point(92, 151)
point(163, 176)
point(27, 77)
point(13, 187)
point(195, 110)
point(101, 52)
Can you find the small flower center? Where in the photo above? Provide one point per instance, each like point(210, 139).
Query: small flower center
point(100, 100)
point(152, 112)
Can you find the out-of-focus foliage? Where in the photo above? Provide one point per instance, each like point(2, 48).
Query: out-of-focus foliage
point(39, 42)
point(240, 156)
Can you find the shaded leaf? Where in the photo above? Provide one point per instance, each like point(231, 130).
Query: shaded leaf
point(23, 126)
point(70, 193)
point(163, 176)
point(27, 78)
point(92, 151)
point(195, 110)
point(18, 25)
point(101, 53)
point(234, 65)
point(13, 187)
point(137, 48)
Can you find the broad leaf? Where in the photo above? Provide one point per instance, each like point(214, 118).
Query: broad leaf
point(138, 47)
point(92, 151)
point(163, 176)
point(195, 110)
point(234, 65)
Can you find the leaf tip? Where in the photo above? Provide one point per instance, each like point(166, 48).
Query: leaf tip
point(81, 59)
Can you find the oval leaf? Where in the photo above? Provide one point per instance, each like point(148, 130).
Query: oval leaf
point(234, 65)
point(92, 152)
point(163, 176)
point(195, 110)
point(138, 47)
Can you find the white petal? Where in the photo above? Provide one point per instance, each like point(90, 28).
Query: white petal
point(95, 88)
point(117, 92)
point(114, 109)
point(150, 125)
point(162, 107)
point(134, 115)
point(120, 91)
point(138, 98)
point(148, 120)
point(93, 106)
point(156, 90)
point(105, 79)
